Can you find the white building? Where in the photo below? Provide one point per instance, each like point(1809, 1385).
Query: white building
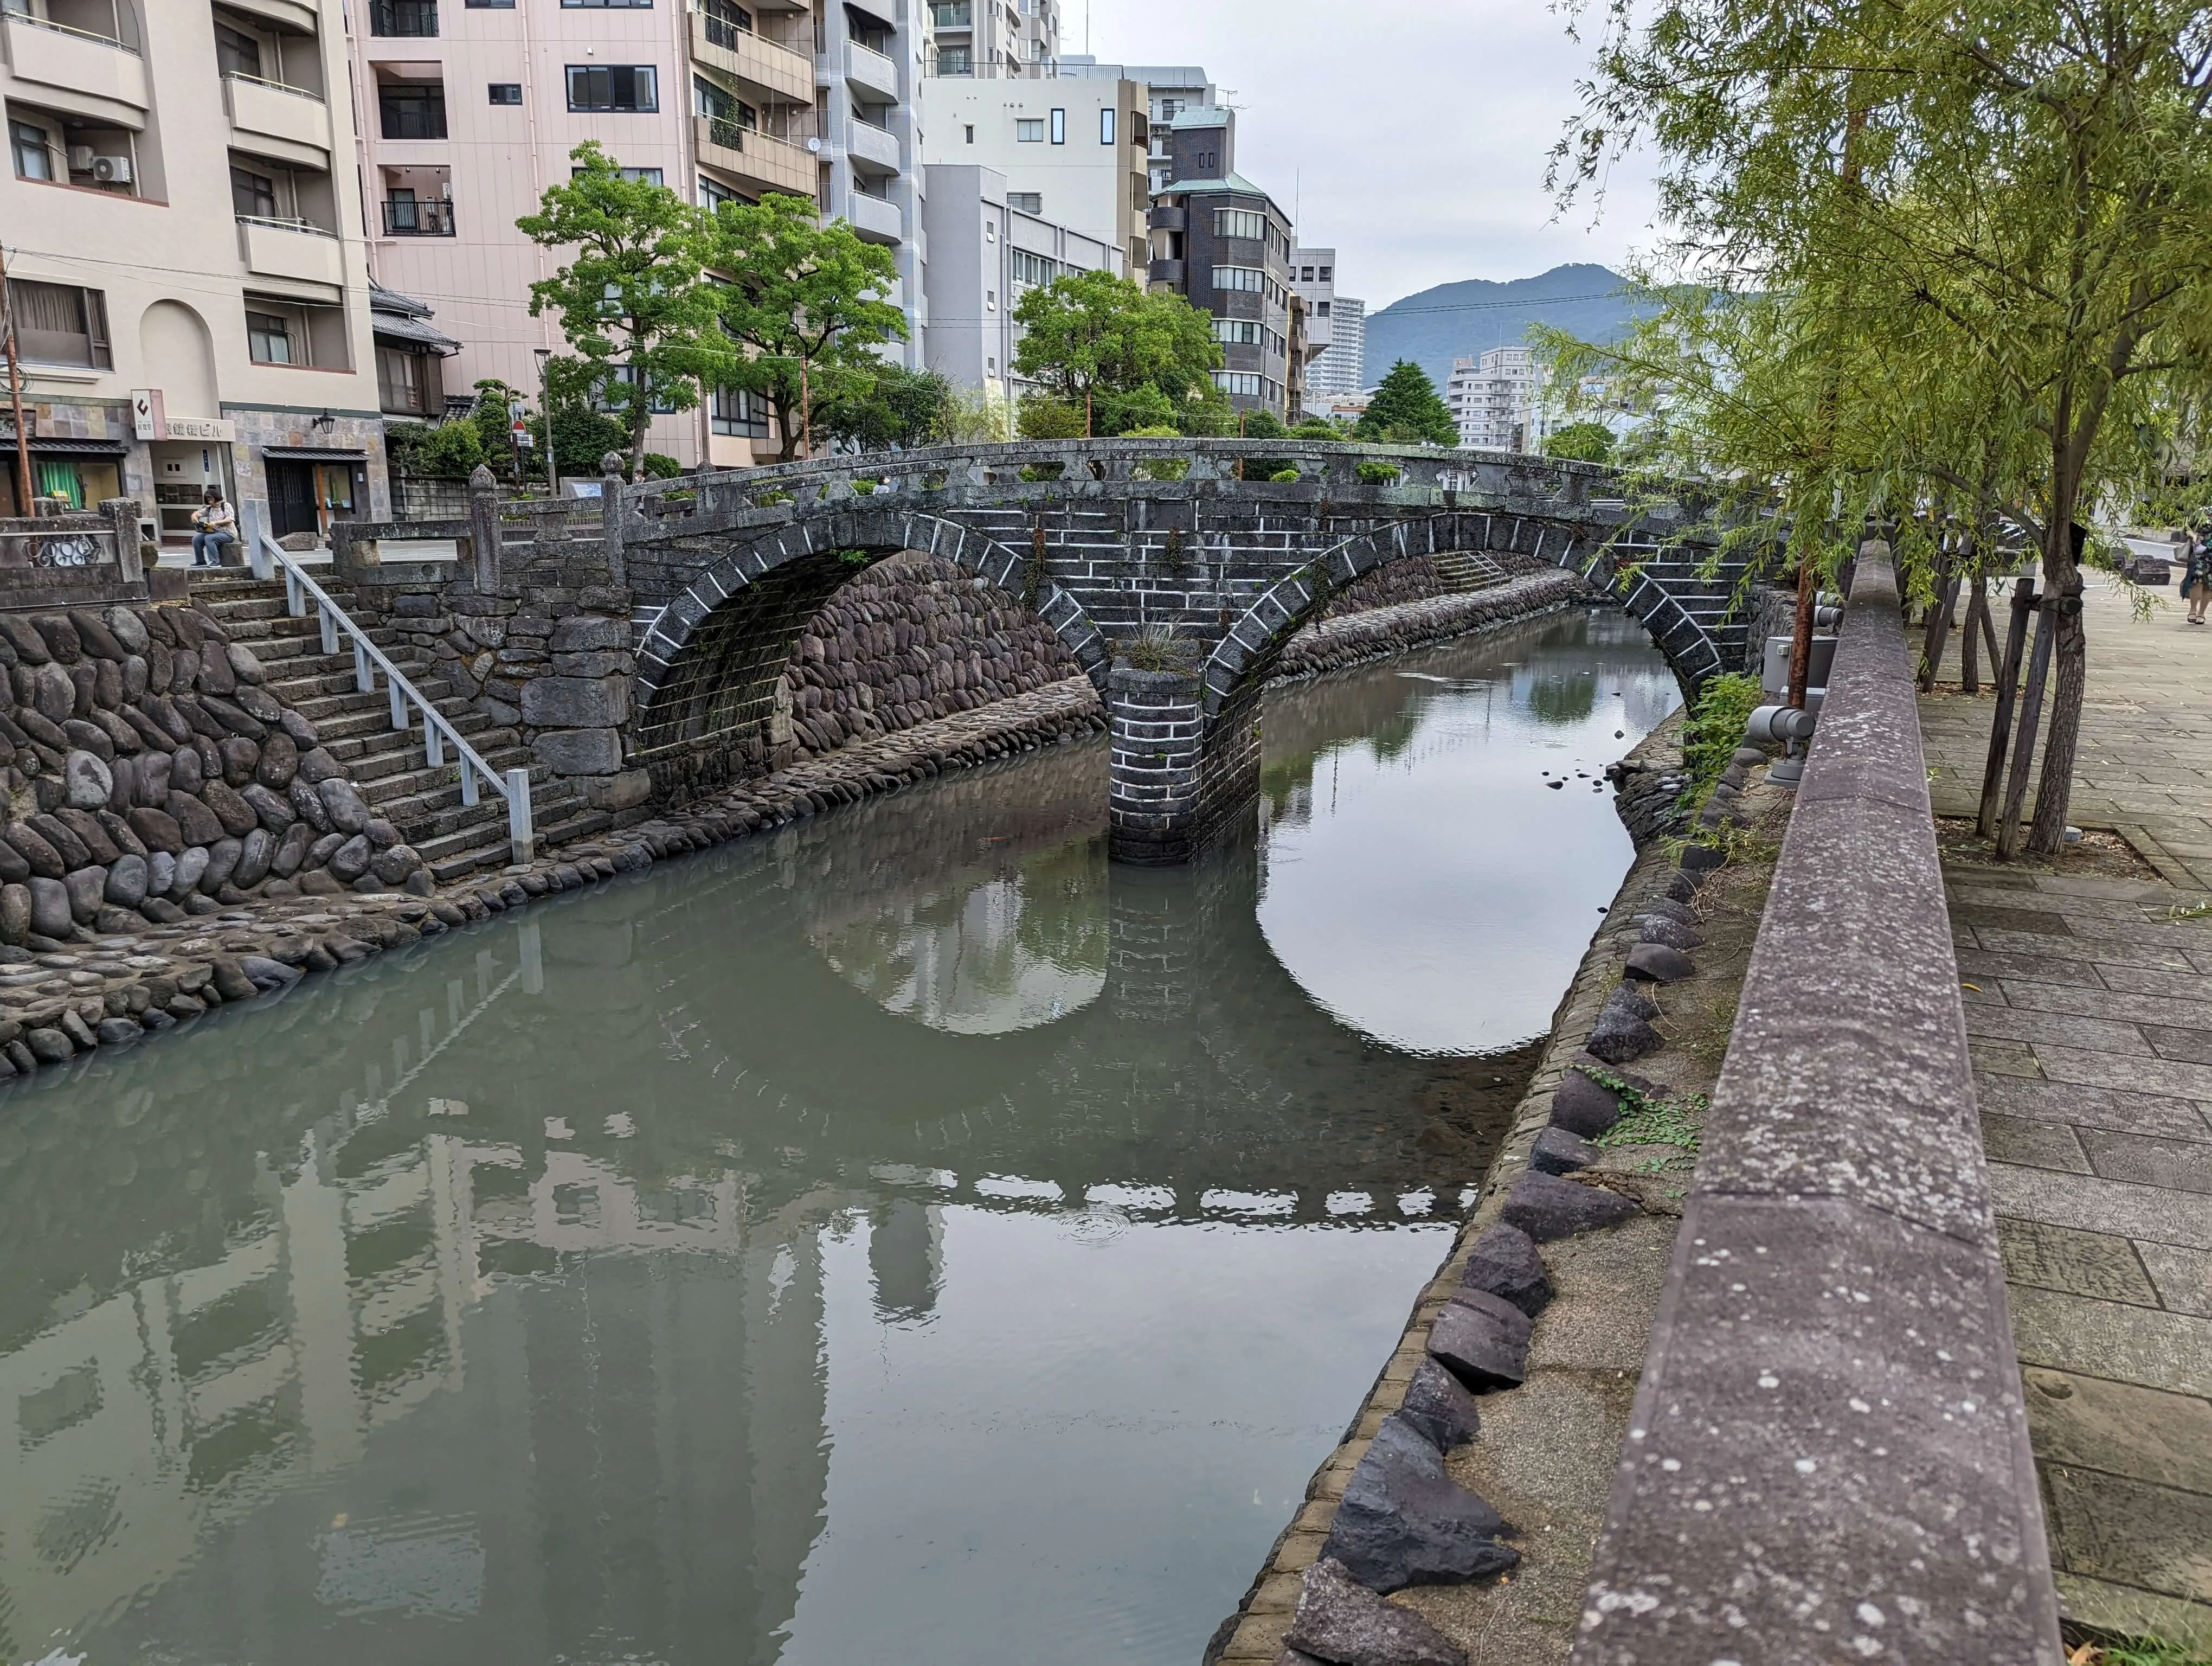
point(1341, 371)
point(1490, 397)
point(1070, 148)
point(983, 254)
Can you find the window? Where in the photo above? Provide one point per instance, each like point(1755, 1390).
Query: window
point(411, 112)
point(1327, 273)
point(1106, 126)
point(488, 5)
point(614, 87)
point(253, 196)
point(712, 193)
point(506, 92)
point(1026, 202)
point(637, 176)
point(1240, 277)
point(1240, 222)
point(1059, 127)
point(1028, 131)
point(607, 5)
point(34, 157)
point(1240, 382)
point(970, 128)
point(734, 411)
point(1323, 307)
point(409, 384)
point(1305, 275)
point(411, 19)
point(236, 53)
point(60, 324)
point(268, 338)
point(658, 402)
point(990, 301)
point(1030, 270)
point(1237, 331)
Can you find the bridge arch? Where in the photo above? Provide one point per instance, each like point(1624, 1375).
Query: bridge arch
point(1253, 642)
point(708, 668)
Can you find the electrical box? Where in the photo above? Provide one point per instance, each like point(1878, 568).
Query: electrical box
point(1774, 678)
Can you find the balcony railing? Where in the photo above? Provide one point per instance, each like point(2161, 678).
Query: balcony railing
point(725, 132)
point(278, 222)
point(14, 14)
point(273, 86)
point(953, 13)
point(418, 19)
point(417, 218)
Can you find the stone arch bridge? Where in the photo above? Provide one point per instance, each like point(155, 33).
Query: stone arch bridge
point(1176, 542)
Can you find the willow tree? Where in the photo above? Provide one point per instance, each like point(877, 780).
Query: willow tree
point(2016, 195)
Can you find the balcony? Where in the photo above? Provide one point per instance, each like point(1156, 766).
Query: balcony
point(953, 13)
point(406, 216)
point(299, 122)
point(785, 72)
point(403, 19)
point(759, 162)
point(877, 147)
point(874, 218)
point(291, 248)
point(1169, 272)
point(868, 69)
point(103, 76)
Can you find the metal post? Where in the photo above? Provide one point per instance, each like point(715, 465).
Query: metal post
point(521, 834)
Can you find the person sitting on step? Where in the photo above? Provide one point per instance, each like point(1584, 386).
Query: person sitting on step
point(217, 525)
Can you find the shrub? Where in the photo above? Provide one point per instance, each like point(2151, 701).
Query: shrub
point(1051, 419)
point(450, 450)
point(1715, 728)
point(1581, 442)
point(1315, 428)
point(866, 488)
point(659, 466)
point(1377, 474)
point(1153, 649)
point(1285, 475)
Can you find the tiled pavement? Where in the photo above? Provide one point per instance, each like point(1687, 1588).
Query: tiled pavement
point(2090, 1010)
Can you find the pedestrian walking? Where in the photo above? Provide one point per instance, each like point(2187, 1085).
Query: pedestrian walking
point(218, 525)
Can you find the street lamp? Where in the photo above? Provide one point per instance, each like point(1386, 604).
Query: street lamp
point(545, 407)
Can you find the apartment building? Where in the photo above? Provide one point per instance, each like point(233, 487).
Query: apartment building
point(984, 254)
point(1072, 149)
point(185, 266)
point(1490, 397)
point(1313, 282)
point(989, 38)
point(1340, 371)
point(1172, 90)
point(871, 69)
point(1224, 245)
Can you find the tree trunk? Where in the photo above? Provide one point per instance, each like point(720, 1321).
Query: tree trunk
point(1939, 625)
point(1970, 670)
point(2070, 650)
point(2001, 723)
point(2023, 746)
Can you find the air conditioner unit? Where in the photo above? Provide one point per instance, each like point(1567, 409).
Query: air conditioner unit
point(112, 170)
point(80, 159)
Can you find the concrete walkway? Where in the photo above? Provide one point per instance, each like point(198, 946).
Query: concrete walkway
point(2090, 1009)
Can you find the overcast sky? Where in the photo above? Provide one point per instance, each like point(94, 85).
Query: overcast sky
point(1412, 134)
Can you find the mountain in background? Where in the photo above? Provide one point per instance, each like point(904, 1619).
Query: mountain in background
point(1460, 321)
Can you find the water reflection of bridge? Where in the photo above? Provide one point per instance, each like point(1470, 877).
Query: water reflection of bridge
point(236, 1272)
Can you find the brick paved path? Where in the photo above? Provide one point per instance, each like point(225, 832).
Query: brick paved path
point(2090, 1010)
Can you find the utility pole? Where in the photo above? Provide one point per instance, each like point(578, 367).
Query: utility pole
point(16, 393)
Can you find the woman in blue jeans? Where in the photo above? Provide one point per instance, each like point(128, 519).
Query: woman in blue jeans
point(217, 526)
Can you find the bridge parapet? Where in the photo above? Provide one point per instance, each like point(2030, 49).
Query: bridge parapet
point(1828, 1454)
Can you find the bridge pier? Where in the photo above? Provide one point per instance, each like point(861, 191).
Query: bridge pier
point(1179, 780)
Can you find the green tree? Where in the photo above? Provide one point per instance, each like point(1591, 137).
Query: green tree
point(2005, 206)
point(1126, 359)
point(807, 301)
point(632, 298)
point(1405, 411)
point(897, 409)
point(1581, 442)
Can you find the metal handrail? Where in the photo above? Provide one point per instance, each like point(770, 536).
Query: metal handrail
point(273, 86)
point(277, 222)
point(301, 592)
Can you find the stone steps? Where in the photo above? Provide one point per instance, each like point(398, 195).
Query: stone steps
point(390, 766)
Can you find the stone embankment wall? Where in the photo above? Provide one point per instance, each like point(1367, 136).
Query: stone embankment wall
point(912, 640)
point(1348, 639)
point(150, 775)
point(1648, 783)
point(1414, 578)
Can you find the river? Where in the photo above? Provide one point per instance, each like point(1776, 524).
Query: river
point(906, 1237)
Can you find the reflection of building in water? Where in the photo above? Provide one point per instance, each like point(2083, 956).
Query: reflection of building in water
point(206, 1419)
point(1022, 948)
